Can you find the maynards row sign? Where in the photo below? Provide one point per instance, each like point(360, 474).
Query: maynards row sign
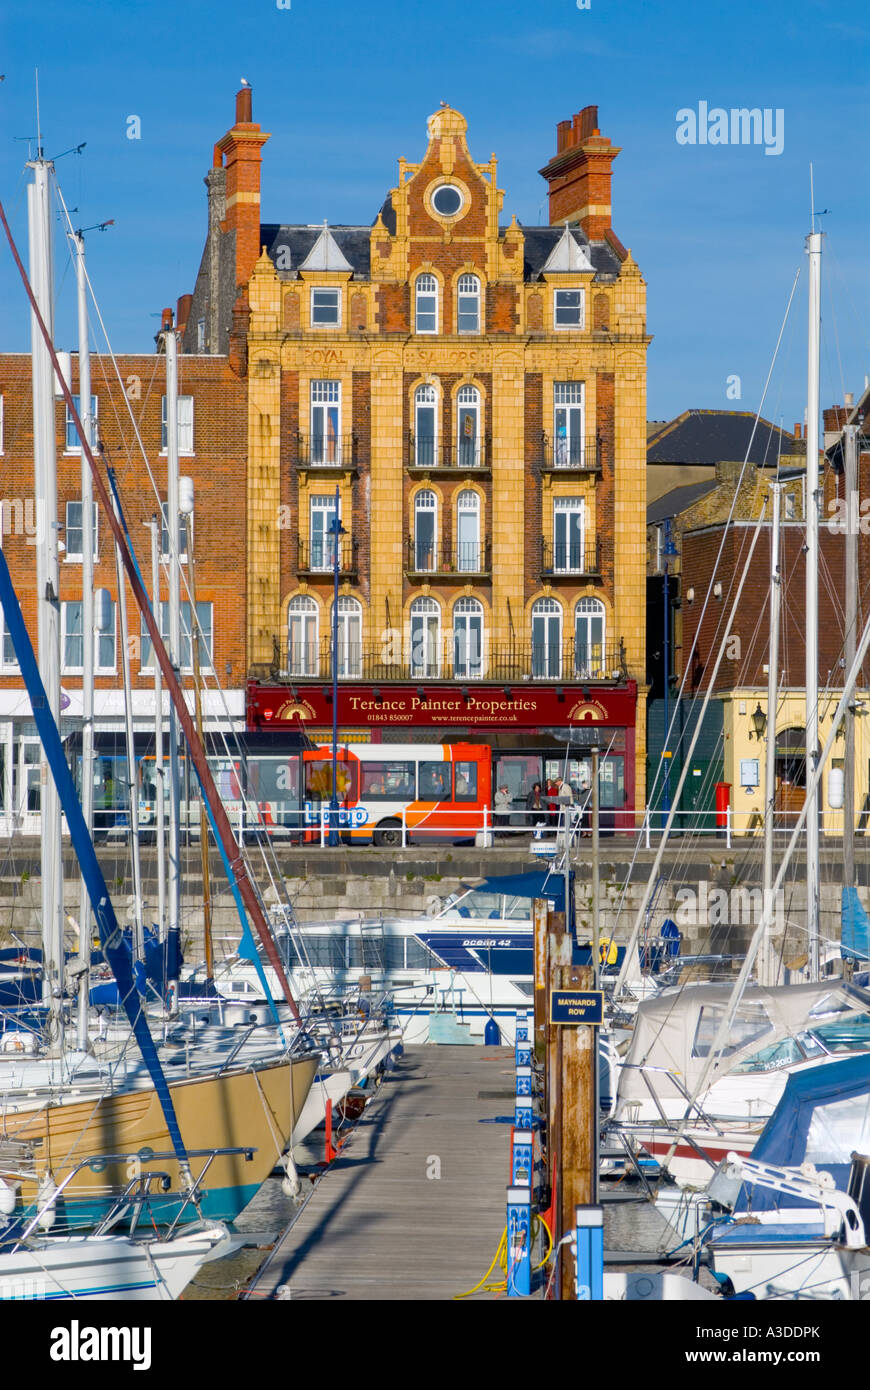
point(274, 706)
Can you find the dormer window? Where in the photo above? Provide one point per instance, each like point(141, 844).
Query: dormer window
point(468, 304)
point(326, 308)
point(426, 307)
point(568, 309)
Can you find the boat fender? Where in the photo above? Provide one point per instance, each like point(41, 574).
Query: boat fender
point(7, 1198)
point(44, 1194)
point(607, 951)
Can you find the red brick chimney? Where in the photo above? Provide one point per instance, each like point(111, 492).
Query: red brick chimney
point(579, 174)
point(239, 153)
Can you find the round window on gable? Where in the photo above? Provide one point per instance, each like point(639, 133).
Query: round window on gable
point(447, 200)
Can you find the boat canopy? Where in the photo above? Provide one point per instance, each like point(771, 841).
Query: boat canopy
point(535, 884)
point(674, 1032)
point(823, 1117)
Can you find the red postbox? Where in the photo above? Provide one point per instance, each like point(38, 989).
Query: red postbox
point(723, 801)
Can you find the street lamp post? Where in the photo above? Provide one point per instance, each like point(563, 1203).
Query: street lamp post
point(336, 530)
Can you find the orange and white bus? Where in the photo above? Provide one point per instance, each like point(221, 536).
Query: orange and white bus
point(388, 793)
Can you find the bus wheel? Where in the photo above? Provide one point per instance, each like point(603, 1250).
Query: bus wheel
point(388, 833)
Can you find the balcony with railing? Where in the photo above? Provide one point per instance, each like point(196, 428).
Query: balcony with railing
point(570, 558)
point(318, 556)
point(453, 657)
point(425, 454)
point(325, 452)
point(463, 558)
point(572, 454)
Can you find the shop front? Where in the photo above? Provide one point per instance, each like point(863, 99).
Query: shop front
point(535, 735)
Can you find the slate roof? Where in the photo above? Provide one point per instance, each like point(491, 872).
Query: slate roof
point(355, 245)
point(672, 503)
point(712, 436)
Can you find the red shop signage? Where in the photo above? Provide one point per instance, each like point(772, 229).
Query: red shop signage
point(481, 707)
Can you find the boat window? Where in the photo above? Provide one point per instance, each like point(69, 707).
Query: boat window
point(845, 1034)
point(750, 1023)
point(838, 1130)
point(830, 1004)
point(780, 1054)
point(810, 1045)
point(476, 904)
point(518, 908)
point(419, 956)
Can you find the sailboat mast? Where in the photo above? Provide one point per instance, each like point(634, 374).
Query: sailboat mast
point(47, 584)
point(88, 635)
point(132, 782)
point(814, 247)
point(850, 479)
point(767, 964)
point(160, 808)
point(170, 347)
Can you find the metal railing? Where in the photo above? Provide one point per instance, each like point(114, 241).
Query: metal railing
point(464, 557)
point(428, 452)
point(584, 453)
point(570, 557)
point(318, 556)
point(326, 451)
point(450, 657)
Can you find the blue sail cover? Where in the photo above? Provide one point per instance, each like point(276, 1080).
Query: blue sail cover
point(535, 884)
point(822, 1117)
point(855, 929)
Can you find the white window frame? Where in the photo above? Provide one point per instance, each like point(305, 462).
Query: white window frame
point(70, 431)
point(186, 436)
point(587, 610)
point(350, 618)
point(548, 608)
point(581, 310)
point(6, 643)
point(426, 609)
point(306, 608)
point(468, 399)
point(426, 286)
point(569, 506)
point(76, 557)
point(146, 665)
point(568, 396)
point(464, 611)
point(322, 503)
point(468, 287)
point(427, 397)
point(99, 635)
point(335, 291)
point(164, 535)
point(426, 504)
point(324, 397)
point(465, 505)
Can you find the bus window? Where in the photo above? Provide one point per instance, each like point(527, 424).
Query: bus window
point(387, 781)
point(434, 782)
point(318, 779)
point(466, 782)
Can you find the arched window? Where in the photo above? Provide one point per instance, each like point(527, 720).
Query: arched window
point(426, 427)
point(589, 634)
point(468, 304)
point(468, 427)
point(425, 532)
point(425, 639)
point(547, 638)
point(426, 304)
point(349, 645)
point(568, 534)
point(302, 636)
point(468, 639)
point(468, 548)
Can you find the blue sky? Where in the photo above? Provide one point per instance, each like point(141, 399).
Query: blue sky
point(345, 89)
